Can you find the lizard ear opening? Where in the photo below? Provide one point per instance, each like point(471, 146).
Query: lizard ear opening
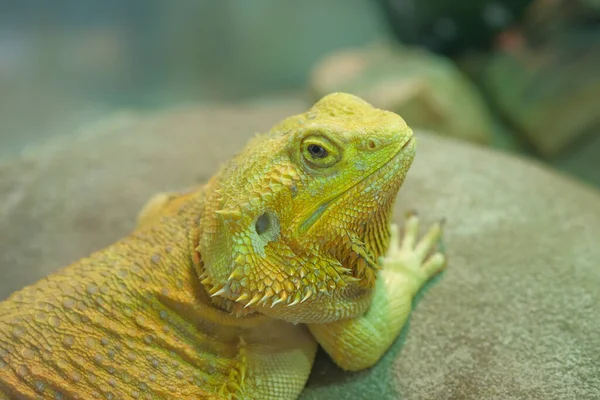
point(267, 226)
point(263, 224)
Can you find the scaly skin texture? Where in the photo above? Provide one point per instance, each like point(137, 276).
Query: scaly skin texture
point(226, 290)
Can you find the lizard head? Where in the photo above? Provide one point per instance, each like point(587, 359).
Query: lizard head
point(301, 215)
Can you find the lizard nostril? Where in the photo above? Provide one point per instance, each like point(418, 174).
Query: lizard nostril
point(372, 144)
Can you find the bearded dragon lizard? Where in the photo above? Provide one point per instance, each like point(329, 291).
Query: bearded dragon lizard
point(225, 291)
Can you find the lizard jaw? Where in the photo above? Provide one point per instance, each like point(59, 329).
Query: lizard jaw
point(359, 251)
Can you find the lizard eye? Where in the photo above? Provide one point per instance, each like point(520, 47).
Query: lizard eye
point(317, 151)
point(320, 152)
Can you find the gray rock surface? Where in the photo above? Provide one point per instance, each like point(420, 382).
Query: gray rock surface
point(516, 315)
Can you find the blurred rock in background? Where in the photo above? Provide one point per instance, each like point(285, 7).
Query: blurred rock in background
point(427, 90)
point(545, 78)
point(536, 62)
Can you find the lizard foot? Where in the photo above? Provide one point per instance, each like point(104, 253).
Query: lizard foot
point(418, 261)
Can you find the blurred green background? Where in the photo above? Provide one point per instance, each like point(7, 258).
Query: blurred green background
point(521, 76)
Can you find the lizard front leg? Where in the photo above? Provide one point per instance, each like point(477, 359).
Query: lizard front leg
point(358, 343)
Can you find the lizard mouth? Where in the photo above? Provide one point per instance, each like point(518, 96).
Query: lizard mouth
point(392, 164)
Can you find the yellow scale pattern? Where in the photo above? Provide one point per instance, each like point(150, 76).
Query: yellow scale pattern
point(108, 327)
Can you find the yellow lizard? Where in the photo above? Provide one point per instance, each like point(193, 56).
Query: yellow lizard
point(225, 291)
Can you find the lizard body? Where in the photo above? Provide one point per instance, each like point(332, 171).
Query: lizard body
point(225, 291)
